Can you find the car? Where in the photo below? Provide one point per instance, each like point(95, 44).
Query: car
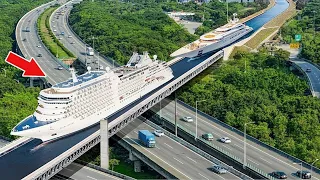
point(158, 133)
point(60, 67)
point(39, 46)
point(54, 30)
point(187, 119)
point(207, 136)
point(308, 70)
point(304, 174)
point(69, 36)
point(39, 55)
point(279, 175)
point(72, 42)
point(218, 169)
point(24, 39)
point(62, 33)
point(60, 38)
point(225, 140)
point(53, 21)
point(101, 67)
point(54, 26)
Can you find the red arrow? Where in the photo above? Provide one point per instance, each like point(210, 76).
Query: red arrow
point(30, 68)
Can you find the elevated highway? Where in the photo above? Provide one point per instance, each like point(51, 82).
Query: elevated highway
point(261, 157)
point(171, 155)
point(42, 160)
point(30, 45)
point(313, 76)
point(59, 24)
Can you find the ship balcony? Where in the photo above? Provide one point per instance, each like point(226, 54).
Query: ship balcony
point(29, 123)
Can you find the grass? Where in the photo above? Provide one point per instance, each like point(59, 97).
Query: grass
point(50, 41)
point(237, 49)
point(259, 37)
point(127, 169)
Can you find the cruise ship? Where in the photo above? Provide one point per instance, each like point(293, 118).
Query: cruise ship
point(82, 101)
point(215, 39)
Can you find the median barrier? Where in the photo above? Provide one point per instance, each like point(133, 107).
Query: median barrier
point(250, 138)
point(197, 150)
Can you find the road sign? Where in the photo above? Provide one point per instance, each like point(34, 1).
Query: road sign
point(297, 37)
point(294, 45)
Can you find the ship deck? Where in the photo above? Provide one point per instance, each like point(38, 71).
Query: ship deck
point(81, 79)
point(29, 123)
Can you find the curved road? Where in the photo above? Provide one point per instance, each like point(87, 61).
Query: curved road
point(258, 156)
point(28, 43)
point(171, 155)
point(313, 76)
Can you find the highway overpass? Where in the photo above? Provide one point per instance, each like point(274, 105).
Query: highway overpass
point(28, 43)
point(262, 157)
point(182, 162)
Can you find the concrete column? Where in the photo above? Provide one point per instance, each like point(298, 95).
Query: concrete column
point(41, 84)
point(136, 162)
point(175, 114)
point(137, 166)
point(104, 144)
point(31, 81)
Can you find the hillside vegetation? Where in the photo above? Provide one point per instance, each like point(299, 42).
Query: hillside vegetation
point(16, 101)
point(122, 28)
point(303, 24)
point(265, 93)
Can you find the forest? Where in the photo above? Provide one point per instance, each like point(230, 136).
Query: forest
point(260, 88)
point(121, 28)
point(16, 101)
point(306, 23)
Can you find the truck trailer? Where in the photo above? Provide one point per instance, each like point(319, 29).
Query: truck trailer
point(147, 138)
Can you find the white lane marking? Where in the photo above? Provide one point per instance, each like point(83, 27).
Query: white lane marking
point(191, 159)
point(135, 132)
point(238, 146)
point(265, 160)
point(202, 158)
point(157, 147)
point(177, 160)
point(168, 145)
point(92, 178)
point(203, 176)
point(227, 147)
point(253, 162)
point(157, 156)
point(248, 144)
point(68, 169)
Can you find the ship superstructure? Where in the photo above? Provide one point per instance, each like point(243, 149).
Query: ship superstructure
point(83, 100)
point(216, 39)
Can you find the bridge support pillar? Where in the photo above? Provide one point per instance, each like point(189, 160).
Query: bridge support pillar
point(41, 84)
point(136, 162)
point(104, 144)
point(31, 81)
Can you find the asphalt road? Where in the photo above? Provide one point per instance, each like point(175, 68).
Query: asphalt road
point(75, 45)
point(260, 157)
point(313, 76)
point(29, 47)
point(172, 155)
point(79, 172)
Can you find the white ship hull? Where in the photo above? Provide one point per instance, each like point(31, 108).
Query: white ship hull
point(61, 128)
point(185, 52)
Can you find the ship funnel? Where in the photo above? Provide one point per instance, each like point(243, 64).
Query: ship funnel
point(73, 74)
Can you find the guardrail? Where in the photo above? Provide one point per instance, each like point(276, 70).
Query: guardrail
point(113, 173)
point(197, 150)
point(45, 47)
point(284, 154)
point(110, 60)
point(305, 74)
